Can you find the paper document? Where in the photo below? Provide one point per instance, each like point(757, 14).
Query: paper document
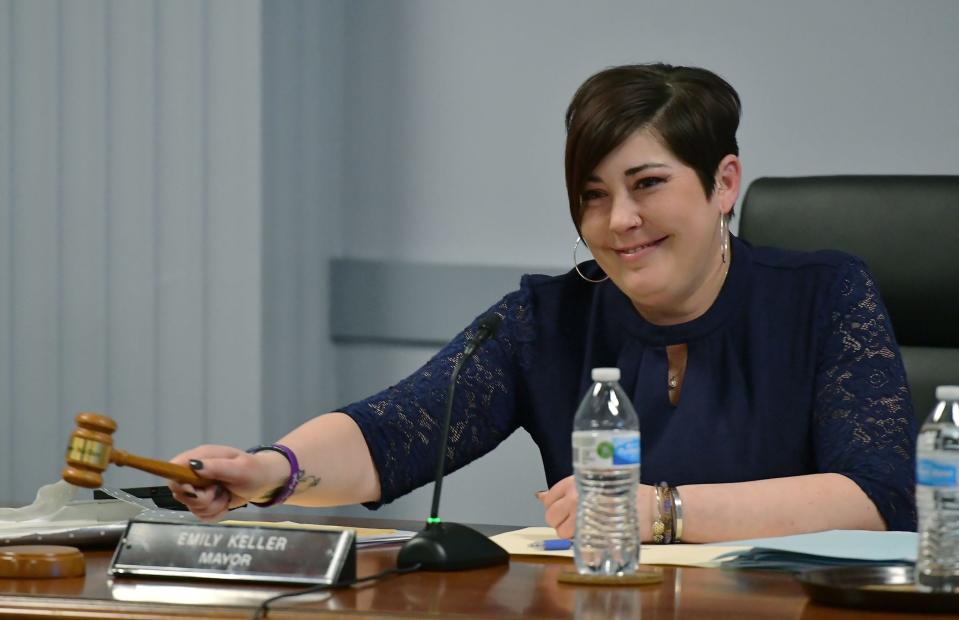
point(845, 544)
point(55, 517)
point(792, 553)
point(528, 541)
point(824, 549)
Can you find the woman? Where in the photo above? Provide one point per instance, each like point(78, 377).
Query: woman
point(769, 386)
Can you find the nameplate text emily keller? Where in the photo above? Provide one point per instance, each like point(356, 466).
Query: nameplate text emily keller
point(235, 552)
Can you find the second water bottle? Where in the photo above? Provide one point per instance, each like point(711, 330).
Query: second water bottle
point(937, 495)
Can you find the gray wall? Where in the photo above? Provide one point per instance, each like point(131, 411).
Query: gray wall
point(303, 106)
point(259, 140)
point(129, 227)
point(456, 108)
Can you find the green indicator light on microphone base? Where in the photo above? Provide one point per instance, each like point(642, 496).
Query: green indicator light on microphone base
point(432, 520)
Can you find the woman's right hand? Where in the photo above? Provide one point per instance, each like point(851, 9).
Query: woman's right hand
point(559, 502)
point(239, 477)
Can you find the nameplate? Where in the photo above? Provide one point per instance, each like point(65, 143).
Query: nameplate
point(235, 552)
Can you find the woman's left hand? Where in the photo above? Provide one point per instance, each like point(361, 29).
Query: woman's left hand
point(560, 504)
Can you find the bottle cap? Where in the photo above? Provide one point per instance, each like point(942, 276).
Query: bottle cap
point(943, 392)
point(605, 374)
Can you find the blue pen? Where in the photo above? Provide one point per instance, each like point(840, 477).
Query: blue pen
point(553, 544)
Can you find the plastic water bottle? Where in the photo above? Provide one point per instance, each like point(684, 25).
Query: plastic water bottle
point(937, 495)
point(606, 464)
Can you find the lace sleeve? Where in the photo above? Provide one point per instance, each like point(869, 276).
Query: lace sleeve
point(401, 424)
point(864, 425)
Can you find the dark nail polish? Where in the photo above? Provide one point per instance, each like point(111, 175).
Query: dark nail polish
point(196, 464)
point(190, 495)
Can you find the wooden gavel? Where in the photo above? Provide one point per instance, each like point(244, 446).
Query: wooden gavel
point(91, 450)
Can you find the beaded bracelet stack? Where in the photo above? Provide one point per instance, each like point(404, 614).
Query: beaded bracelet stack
point(283, 493)
point(668, 524)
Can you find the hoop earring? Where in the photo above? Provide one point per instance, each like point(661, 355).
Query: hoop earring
point(723, 237)
point(576, 264)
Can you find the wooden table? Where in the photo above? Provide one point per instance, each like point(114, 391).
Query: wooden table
point(525, 588)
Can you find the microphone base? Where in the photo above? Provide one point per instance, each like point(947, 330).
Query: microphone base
point(450, 546)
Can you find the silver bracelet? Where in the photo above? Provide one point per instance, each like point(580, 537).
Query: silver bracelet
point(677, 516)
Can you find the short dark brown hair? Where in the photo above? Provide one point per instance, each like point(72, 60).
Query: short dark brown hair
point(693, 111)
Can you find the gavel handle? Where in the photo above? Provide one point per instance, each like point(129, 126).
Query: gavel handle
point(170, 471)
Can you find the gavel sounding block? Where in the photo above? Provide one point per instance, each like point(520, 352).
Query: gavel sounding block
point(40, 562)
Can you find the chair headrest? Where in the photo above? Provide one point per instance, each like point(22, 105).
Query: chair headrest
point(906, 229)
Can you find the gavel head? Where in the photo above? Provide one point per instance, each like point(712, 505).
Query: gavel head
point(88, 453)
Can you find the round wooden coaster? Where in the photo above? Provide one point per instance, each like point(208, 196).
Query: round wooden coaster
point(41, 562)
point(640, 577)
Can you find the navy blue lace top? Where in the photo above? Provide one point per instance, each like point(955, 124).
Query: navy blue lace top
point(793, 370)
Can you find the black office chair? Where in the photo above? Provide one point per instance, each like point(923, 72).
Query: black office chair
point(906, 229)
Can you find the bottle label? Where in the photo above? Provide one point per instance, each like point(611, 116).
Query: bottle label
point(606, 449)
point(937, 472)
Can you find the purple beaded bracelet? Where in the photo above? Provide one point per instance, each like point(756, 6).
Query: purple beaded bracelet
point(282, 494)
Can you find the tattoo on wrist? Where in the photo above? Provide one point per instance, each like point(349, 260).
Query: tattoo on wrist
point(307, 481)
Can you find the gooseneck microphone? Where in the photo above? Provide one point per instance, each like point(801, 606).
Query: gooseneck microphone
point(488, 326)
point(451, 546)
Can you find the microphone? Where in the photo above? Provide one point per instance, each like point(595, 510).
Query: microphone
point(451, 546)
point(488, 326)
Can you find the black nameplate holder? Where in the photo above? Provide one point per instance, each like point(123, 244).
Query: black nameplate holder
point(269, 554)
